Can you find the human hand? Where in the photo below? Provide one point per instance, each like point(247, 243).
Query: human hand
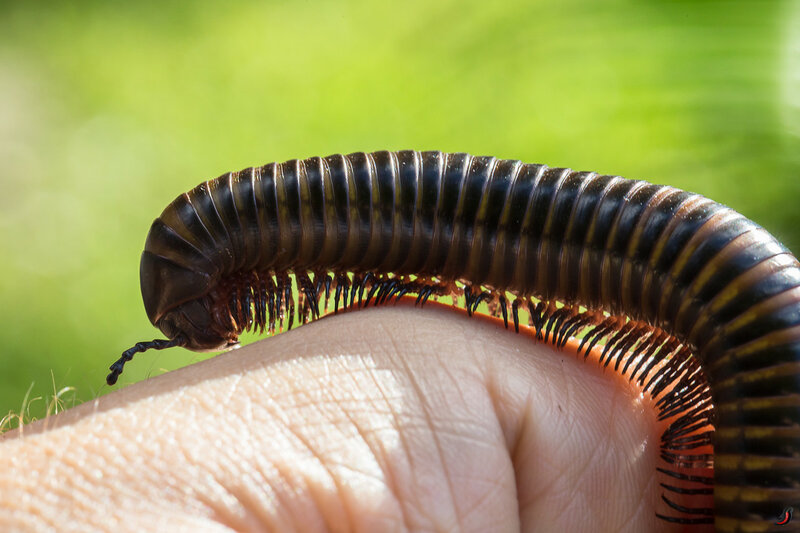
point(385, 420)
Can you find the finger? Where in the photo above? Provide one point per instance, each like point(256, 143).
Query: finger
point(375, 421)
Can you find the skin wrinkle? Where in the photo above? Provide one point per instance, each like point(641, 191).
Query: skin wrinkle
point(176, 488)
point(471, 355)
point(546, 392)
point(29, 517)
point(602, 453)
point(397, 350)
point(72, 462)
point(591, 460)
point(231, 393)
point(518, 435)
point(515, 452)
point(466, 432)
point(363, 435)
point(220, 407)
point(546, 402)
point(512, 432)
point(637, 510)
point(569, 399)
point(429, 420)
point(65, 463)
point(249, 501)
point(253, 512)
point(650, 487)
point(466, 428)
point(242, 514)
point(406, 451)
point(109, 464)
point(384, 464)
point(618, 425)
point(299, 486)
point(484, 496)
point(133, 496)
point(273, 479)
point(218, 501)
point(344, 496)
point(243, 487)
point(526, 505)
point(648, 412)
point(312, 485)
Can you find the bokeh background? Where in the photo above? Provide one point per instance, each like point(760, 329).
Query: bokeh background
point(108, 110)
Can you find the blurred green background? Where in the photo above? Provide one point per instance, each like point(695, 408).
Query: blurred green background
point(108, 110)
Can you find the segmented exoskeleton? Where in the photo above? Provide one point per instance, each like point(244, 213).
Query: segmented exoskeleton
point(690, 298)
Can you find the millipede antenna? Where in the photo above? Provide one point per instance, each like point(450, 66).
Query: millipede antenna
point(127, 355)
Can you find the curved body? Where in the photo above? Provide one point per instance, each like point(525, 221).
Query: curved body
point(716, 282)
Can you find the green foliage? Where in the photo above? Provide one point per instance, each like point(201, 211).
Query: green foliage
point(108, 110)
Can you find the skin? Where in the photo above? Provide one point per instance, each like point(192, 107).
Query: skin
point(388, 421)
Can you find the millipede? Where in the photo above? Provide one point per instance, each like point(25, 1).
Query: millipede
point(686, 297)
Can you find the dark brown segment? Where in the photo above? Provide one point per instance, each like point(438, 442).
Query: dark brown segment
point(551, 252)
point(242, 186)
point(462, 242)
point(312, 212)
point(451, 189)
point(266, 199)
point(406, 168)
point(428, 189)
point(491, 233)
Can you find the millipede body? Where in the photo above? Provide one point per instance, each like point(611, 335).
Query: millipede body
point(695, 302)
